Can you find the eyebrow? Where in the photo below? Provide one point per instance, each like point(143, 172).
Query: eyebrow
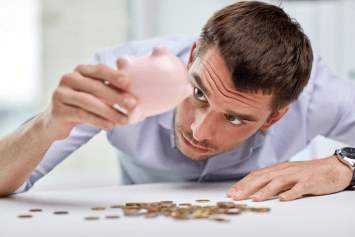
point(246, 117)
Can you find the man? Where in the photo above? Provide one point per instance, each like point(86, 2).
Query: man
point(255, 104)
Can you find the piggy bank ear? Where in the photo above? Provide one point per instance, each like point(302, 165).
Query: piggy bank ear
point(124, 61)
point(160, 50)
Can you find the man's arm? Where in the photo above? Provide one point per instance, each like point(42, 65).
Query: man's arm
point(330, 113)
point(82, 97)
point(21, 152)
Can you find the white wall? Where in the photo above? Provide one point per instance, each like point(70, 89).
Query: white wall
point(73, 30)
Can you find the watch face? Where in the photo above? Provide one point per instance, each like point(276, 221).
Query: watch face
point(349, 152)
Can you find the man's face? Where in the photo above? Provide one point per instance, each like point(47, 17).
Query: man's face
point(216, 118)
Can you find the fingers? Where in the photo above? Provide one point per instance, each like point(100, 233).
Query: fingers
point(275, 186)
point(90, 104)
point(117, 78)
point(108, 94)
point(92, 119)
point(297, 191)
point(257, 173)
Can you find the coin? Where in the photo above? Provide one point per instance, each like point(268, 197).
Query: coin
point(36, 210)
point(201, 213)
point(132, 212)
point(92, 218)
point(144, 204)
point(153, 208)
point(185, 204)
point(132, 204)
point(166, 202)
point(226, 204)
point(247, 209)
point(233, 212)
point(150, 215)
point(221, 220)
point(261, 209)
point(117, 206)
point(97, 208)
point(218, 218)
point(24, 216)
point(112, 217)
point(202, 200)
point(60, 212)
point(179, 216)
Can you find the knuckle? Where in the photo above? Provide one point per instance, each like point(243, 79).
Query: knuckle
point(58, 94)
point(96, 87)
point(303, 186)
point(281, 179)
point(66, 78)
point(282, 165)
point(255, 173)
point(79, 67)
point(97, 69)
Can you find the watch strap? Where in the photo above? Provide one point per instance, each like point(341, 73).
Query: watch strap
point(352, 184)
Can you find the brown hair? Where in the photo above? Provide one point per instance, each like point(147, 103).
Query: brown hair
point(263, 48)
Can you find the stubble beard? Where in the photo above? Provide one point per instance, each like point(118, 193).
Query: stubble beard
point(213, 150)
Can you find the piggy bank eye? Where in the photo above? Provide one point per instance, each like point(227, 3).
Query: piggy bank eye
point(199, 94)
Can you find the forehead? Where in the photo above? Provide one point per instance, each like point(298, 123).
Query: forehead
point(217, 80)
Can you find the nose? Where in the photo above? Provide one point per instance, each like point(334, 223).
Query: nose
point(203, 127)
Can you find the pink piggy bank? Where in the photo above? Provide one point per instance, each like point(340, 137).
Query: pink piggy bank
point(160, 81)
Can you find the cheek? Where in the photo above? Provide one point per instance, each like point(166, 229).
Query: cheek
point(186, 113)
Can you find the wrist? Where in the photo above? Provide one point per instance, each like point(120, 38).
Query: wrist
point(346, 159)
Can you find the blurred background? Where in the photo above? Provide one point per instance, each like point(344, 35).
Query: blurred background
point(41, 40)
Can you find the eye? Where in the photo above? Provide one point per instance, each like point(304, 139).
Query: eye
point(199, 94)
point(232, 119)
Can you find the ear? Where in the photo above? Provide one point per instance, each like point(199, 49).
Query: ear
point(192, 53)
point(276, 117)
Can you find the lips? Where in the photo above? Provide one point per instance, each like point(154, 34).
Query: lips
point(193, 147)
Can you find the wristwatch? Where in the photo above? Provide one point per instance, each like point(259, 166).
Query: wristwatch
point(347, 156)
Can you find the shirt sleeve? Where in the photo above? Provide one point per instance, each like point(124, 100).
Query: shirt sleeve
point(331, 111)
point(63, 148)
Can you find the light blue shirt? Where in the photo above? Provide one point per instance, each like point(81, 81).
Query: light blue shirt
point(149, 154)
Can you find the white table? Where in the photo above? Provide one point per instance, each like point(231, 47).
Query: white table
point(329, 215)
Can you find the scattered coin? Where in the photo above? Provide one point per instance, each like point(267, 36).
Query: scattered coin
point(240, 205)
point(112, 217)
point(150, 215)
point(233, 212)
point(202, 200)
point(24, 216)
point(36, 210)
point(167, 202)
point(97, 208)
point(262, 209)
point(92, 218)
point(61, 212)
point(201, 213)
point(185, 204)
point(247, 209)
point(226, 204)
point(117, 206)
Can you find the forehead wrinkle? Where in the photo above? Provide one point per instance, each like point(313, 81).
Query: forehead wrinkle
point(222, 85)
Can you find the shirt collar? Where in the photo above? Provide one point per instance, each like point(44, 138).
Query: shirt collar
point(166, 120)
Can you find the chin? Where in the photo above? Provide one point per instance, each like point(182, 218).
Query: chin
point(189, 153)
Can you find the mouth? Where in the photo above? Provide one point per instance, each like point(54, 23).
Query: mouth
point(193, 147)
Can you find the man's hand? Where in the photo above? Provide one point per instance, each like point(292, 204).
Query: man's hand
point(316, 177)
point(85, 97)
